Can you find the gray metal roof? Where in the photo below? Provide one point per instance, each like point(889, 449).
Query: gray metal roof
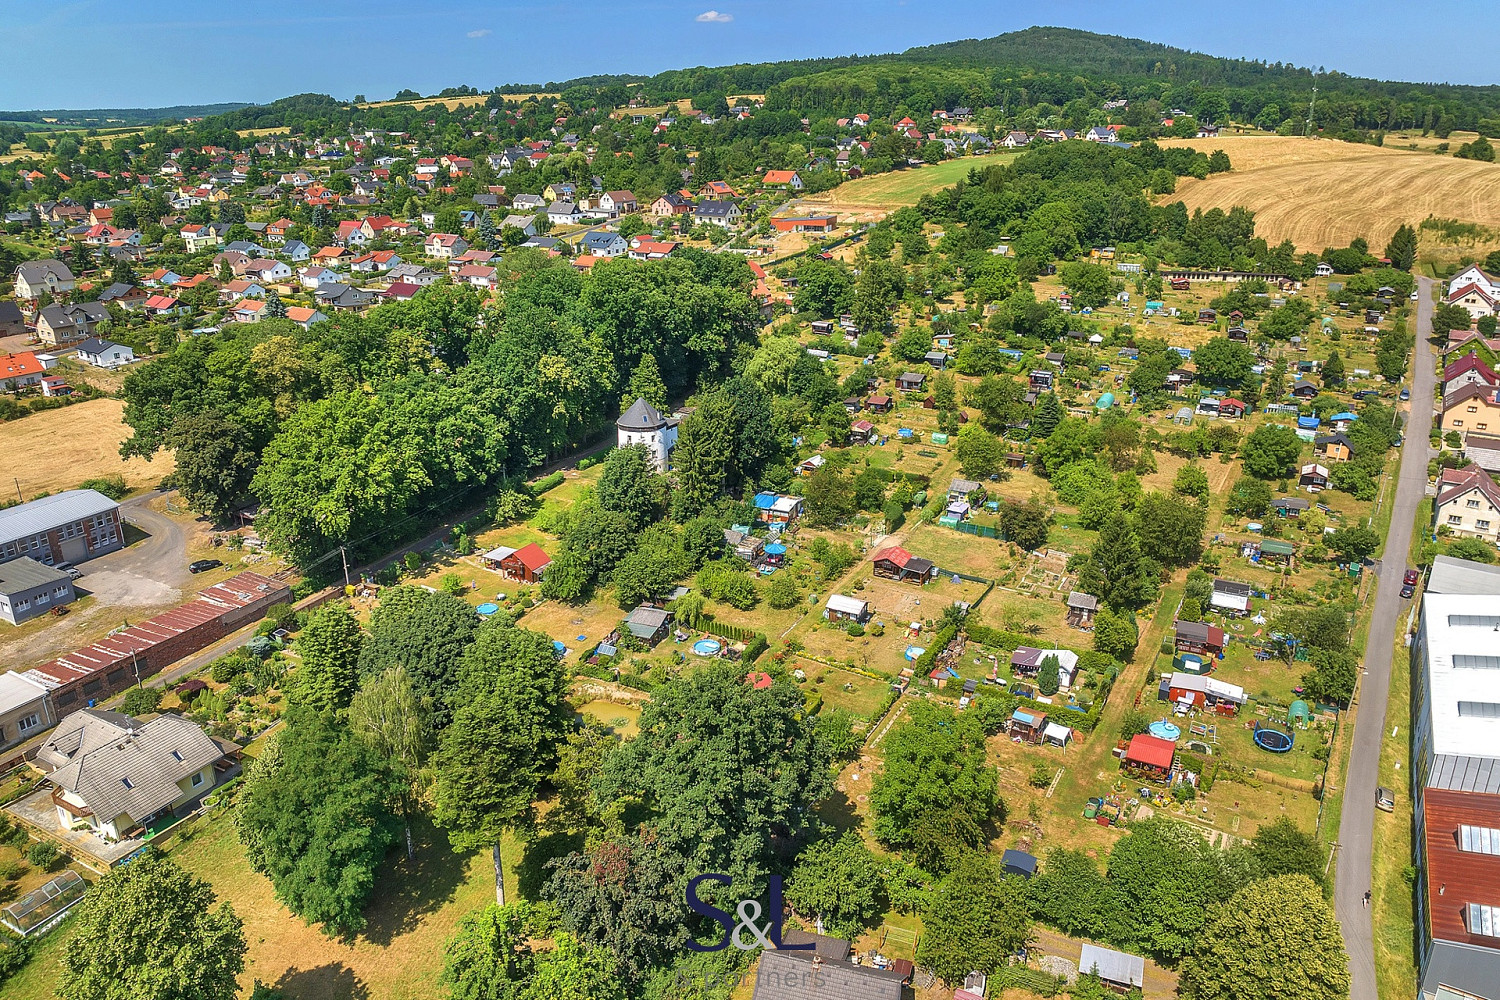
point(1464, 967)
point(796, 975)
point(1462, 576)
point(1115, 966)
point(35, 271)
point(641, 416)
point(27, 519)
point(24, 573)
point(124, 768)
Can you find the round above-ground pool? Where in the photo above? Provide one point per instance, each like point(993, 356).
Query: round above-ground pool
point(1272, 740)
point(488, 608)
point(1164, 730)
point(707, 647)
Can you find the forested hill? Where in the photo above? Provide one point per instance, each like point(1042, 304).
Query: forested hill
point(121, 116)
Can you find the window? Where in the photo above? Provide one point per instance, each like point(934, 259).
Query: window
point(1472, 409)
point(1481, 426)
point(1458, 423)
point(1455, 519)
point(1482, 525)
point(126, 783)
point(29, 722)
point(1475, 621)
point(1474, 504)
point(1470, 661)
point(1482, 919)
point(1478, 710)
point(1479, 839)
point(197, 779)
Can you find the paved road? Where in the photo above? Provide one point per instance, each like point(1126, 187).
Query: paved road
point(1356, 826)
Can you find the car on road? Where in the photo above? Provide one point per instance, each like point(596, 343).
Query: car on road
point(1385, 799)
point(70, 569)
point(1411, 577)
point(1407, 591)
point(1405, 395)
point(204, 565)
point(1415, 296)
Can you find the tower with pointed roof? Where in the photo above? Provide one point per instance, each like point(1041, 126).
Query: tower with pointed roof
point(644, 424)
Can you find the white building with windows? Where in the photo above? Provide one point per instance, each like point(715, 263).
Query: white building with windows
point(644, 424)
point(25, 709)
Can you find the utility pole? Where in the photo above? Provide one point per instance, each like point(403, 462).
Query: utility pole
point(18, 489)
point(343, 555)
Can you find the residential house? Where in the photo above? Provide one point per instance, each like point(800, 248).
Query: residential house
point(1150, 757)
point(1468, 503)
point(671, 203)
point(1468, 370)
point(36, 277)
point(19, 371)
point(1335, 447)
point(13, 321)
point(248, 311)
point(313, 276)
point(719, 213)
point(1026, 661)
point(104, 353)
point(25, 708)
point(444, 245)
point(400, 291)
point(643, 424)
point(559, 191)
point(1473, 407)
point(525, 223)
point(55, 385)
point(114, 774)
point(1015, 140)
point(1230, 598)
point(303, 316)
point(67, 324)
point(1081, 609)
point(29, 588)
point(375, 261)
point(527, 564)
point(564, 213)
point(129, 297)
point(602, 244)
point(200, 237)
point(267, 271)
point(617, 203)
point(1480, 449)
point(1198, 637)
point(1475, 299)
point(1189, 692)
point(649, 624)
point(296, 251)
point(1324, 269)
point(342, 297)
point(838, 607)
point(241, 288)
point(782, 179)
point(895, 563)
point(531, 203)
point(1313, 477)
point(651, 249)
point(476, 275)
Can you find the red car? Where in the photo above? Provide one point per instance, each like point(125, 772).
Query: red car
point(1412, 576)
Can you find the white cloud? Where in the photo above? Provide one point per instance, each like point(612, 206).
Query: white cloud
point(480, 32)
point(713, 17)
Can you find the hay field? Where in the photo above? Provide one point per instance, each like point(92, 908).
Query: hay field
point(1320, 192)
point(58, 449)
point(890, 191)
point(452, 102)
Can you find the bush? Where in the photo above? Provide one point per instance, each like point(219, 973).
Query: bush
point(141, 700)
point(546, 483)
point(43, 854)
point(451, 584)
point(1041, 775)
point(413, 561)
point(856, 629)
point(111, 486)
point(227, 668)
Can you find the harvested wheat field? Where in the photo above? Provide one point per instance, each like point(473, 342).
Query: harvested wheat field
point(58, 449)
point(879, 194)
point(1321, 193)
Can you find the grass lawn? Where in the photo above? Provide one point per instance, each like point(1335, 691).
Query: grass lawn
point(623, 720)
point(399, 955)
point(904, 187)
point(1391, 895)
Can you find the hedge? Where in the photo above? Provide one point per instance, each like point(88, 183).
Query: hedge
point(546, 483)
point(939, 643)
point(998, 637)
point(895, 517)
point(757, 646)
point(738, 633)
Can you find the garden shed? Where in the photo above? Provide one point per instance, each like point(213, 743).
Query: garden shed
point(1116, 968)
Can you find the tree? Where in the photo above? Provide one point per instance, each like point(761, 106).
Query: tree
point(1047, 679)
point(329, 645)
point(1275, 939)
point(510, 716)
point(1116, 633)
point(151, 929)
point(1223, 362)
point(936, 793)
point(426, 633)
point(1025, 524)
point(316, 817)
point(215, 459)
point(999, 401)
point(1354, 544)
point(489, 956)
point(1333, 677)
point(623, 895)
point(1270, 451)
point(645, 383)
point(387, 714)
point(630, 486)
point(275, 308)
point(1166, 881)
point(976, 919)
point(725, 773)
point(979, 452)
point(1115, 570)
point(1402, 249)
point(704, 456)
point(1091, 285)
point(1072, 892)
point(824, 289)
point(829, 497)
point(839, 881)
point(1333, 371)
point(1046, 416)
point(1450, 317)
point(1280, 848)
point(1249, 497)
point(1191, 481)
point(1170, 528)
point(944, 391)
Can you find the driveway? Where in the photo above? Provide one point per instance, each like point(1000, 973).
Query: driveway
point(1357, 825)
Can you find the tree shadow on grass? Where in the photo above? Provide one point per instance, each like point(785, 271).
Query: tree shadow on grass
point(406, 891)
point(334, 981)
point(838, 810)
point(532, 872)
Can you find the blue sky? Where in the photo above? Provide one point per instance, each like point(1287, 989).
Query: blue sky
point(91, 53)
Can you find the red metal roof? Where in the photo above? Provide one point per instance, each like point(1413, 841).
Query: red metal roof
point(1151, 751)
point(1457, 877)
point(532, 557)
point(894, 553)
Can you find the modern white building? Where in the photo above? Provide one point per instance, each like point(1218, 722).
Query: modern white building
point(1455, 787)
point(644, 424)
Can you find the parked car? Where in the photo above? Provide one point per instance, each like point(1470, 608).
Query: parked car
point(204, 565)
point(70, 569)
point(1411, 577)
point(1407, 591)
point(1405, 395)
point(1385, 799)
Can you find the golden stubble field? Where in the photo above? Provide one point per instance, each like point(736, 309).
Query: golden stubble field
point(58, 449)
point(1321, 192)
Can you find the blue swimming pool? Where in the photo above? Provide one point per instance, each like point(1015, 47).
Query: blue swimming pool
point(488, 608)
point(707, 647)
point(1164, 730)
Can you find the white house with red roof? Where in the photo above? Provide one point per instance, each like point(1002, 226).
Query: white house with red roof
point(444, 245)
point(303, 316)
point(1468, 370)
point(1474, 297)
point(1474, 275)
point(786, 179)
point(1468, 503)
point(17, 371)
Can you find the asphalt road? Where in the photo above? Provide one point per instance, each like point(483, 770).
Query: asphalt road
point(1357, 825)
